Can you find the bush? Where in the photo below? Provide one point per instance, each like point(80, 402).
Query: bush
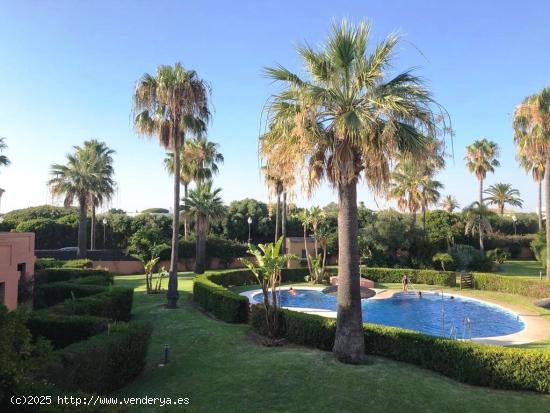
point(115, 304)
point(498, 255)
point(43, 263)
point(49, 275)
point(477, 364)
point(102, 364)
point(467, 257)
point(515, 245)
point(538, 246)
point(92, 280)
point(395, 275)
point(80, 263)
point(511, 285)
point(50, 294)
point(63, 330)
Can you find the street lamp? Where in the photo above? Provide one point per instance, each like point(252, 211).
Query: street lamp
point(249, 220)
point(104, 226)
point(514, 220)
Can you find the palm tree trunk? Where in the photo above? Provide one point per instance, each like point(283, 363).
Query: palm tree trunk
point(481, 245)
point(93, 228)
point(283, 223)
point(480, 191)
point(540, 203)
point(172, 294)
point(82, 228)
point(277, 208)
point(423, 217)
point(349, 343)
point(200, 256)
point(413, 221)
point(546, 206)
point(185, 224)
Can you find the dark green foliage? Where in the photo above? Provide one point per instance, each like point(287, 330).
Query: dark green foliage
point(477, 364)
point(498, 255)
point(538, 246)
point(44, 263)
point(115, 304)
point(92, 280)
point(49, 275)
point(512, 285)
point(49, 234)
point(49, 294)
point(515, 245)
point(236, 226)
point(103, 363)
point(62, 329)
point(525, 223)
point(467, 257)
point(155, 211)
point(395, 275)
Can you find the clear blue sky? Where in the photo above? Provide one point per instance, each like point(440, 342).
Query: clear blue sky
point(68, 69)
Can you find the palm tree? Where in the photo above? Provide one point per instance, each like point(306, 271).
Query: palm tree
point(4, 160)
point(171, 105)
point(345, 119)
point(429, 195)
point(449, 204)
point(75, 181)
point(536, 165)
point(405, 188)
point(316, 216)
point(275, 184)
point(476, 217)
point(305, 218)
point(501, 194)
point(205, 206)
point(101, 156)
point(532, 136)
point(481, 157)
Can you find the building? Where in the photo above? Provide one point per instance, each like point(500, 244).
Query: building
point(297, 246)
point(16, 265)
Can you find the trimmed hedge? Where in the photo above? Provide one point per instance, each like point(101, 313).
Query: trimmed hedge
point(115, 304)
point(512, 285)
point(46, 295)
point(92, 280)
point(102, 364)
point(63, 330)
point(49, 275)
point(477, 364)
point(395, 275)
point(210, 292)
point(44, 263)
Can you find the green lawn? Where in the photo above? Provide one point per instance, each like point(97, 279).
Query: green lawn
point(221, 369)
point(528, 269)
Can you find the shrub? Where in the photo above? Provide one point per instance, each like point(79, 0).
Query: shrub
point(92, 280)
point(538, 246)
point(467, 257)
point(105, 362)
point(47, 295)
point(477, 364)
point(443, 258)
point(395, 275)
point(512, 285)
point(80, 263)
point(513, 244)
point(498, 255)
point(115, 304)
point(43, 263)
point(49, 275)
point(62, 329)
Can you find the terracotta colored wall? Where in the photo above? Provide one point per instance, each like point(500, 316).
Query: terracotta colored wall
point(295, 247)
point(15, 248)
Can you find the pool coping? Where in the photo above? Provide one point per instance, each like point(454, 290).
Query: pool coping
point(536, 327)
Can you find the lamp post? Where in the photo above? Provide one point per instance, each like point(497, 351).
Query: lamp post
point(514, 220)
point(104, 226)
point(249, 220)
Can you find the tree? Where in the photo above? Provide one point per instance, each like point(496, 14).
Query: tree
point(204, 205)
point(476, 218)
point(429, 195)
point(101, 156)
point(77, 181)
point(501, 195)
point(343, 120)
point(4, 160)
point(171, 105)
point(534, 163)
point(481, 157)
point(443, 258)
point(449, 204)
point(532, 136)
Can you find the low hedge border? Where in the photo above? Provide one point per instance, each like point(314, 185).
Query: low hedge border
point(210, 292)
point(477, 364)
point(103, 363)
point(395, 275)
point(46, 295)
point(512, 285)
point(50, 275)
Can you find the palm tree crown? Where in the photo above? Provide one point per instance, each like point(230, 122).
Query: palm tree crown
point(449, 204)
point(503, 194)
point(4, 160)
point(481, 157)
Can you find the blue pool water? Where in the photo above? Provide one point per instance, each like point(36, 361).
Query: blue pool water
point(435, 314)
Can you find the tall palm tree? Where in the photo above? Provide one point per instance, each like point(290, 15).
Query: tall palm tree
point(501, 195)
point(406, 189)
point(344, 119)
point(75, 181)
point(449, 204)
point(536, 165)
point(4, 160)
point(275, 184)
point(476, 217)
point(429, 195)
point(204, 205)
point(481, 157)
point(101, 156)
point(316, 216)
point(171, 105)
point(532, 136)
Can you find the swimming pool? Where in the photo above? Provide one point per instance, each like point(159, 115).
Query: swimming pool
point(433, 313)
